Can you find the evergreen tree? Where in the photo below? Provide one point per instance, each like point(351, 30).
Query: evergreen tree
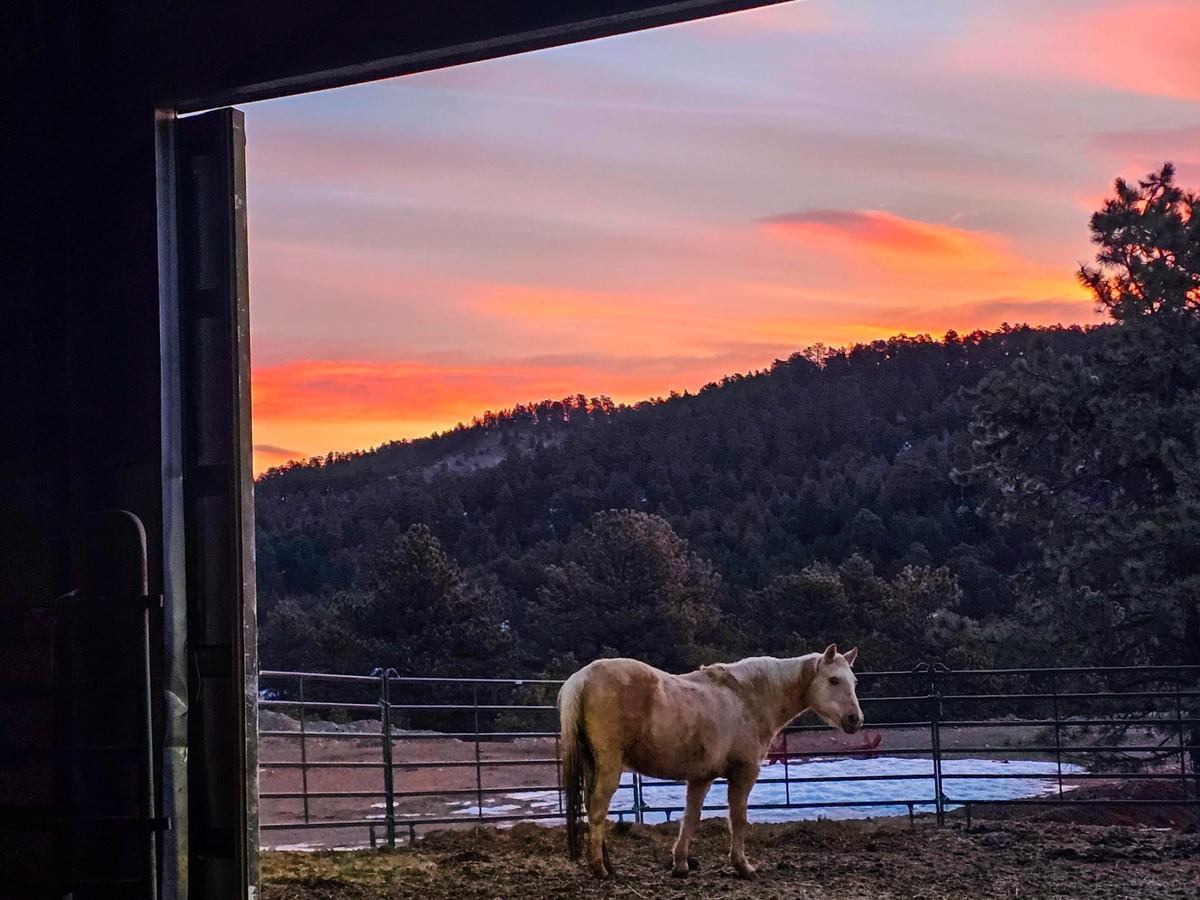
point(420, 616)
point(1099, 451)
point(629, 586)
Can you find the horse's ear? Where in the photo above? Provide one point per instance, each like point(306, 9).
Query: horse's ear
point(851, 655)
point(830, 653)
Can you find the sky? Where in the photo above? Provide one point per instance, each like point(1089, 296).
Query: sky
point(649, 212)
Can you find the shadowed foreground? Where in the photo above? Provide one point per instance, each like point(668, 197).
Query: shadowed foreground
point(816, 859)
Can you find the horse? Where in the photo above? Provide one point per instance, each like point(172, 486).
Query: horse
point(715, 722)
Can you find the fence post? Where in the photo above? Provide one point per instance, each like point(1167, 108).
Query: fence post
point(935, 738)
point(478, 760)
point(787, 772)
point(1057, 731)
point(1179, 725)
point(385, 722)
point(638, 816)
point(303, 753)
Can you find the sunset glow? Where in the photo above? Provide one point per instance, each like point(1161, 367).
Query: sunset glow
point(651, 212)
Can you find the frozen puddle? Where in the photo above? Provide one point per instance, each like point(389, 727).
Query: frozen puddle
point(911, 780)
point(892, 779)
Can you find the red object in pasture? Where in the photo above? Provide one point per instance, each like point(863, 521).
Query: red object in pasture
point(778, 751)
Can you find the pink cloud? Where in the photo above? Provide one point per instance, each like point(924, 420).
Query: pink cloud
point(1141, 46)
point(1133, 154)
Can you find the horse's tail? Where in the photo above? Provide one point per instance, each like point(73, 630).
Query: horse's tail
point(578, 764)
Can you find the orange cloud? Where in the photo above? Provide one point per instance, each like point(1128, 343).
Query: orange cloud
point(893, 240)
point(316, 405)
point(942, 264)
point(835, 276)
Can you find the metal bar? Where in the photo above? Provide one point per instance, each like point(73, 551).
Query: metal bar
point(1078, 776)
point(319, 676)
point(1079, 670)
point(314, 704)
point(639, 803)
point(935, 710)
point(323, 735)
point(385, 728)
point(478, 767)
point(1057, 732)
point(317, 795)
point(470, 764)
point(472, 792)
point(441, 764)
point(1074, 695)
point(464, 707)
point(1042, 801)
point(1045, 723)
point(303, 751)
point(268, 764)
point(862, 676)
point(787, 777)
point(1081, 750)
point(1179, 733)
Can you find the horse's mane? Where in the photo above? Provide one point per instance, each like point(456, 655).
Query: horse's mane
point(760, 671)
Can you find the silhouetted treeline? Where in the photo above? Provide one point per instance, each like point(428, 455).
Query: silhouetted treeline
point(830, 467)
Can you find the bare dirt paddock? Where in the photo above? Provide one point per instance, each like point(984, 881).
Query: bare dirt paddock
point(828, 860)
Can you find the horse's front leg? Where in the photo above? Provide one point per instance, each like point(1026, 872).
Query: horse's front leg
point(696, 792)
point(741, 780)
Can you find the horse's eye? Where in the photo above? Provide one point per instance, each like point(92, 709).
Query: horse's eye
point(834, 680)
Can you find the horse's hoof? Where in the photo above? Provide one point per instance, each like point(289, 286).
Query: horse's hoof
point(677, 872)
point(693, 863)
point(745, 870)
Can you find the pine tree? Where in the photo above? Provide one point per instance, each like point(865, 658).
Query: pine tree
point(1099, 451)
point(631, 587)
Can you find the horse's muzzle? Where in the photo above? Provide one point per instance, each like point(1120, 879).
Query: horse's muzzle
point(851, 722)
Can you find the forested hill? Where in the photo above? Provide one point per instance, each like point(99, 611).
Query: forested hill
point(837, 458)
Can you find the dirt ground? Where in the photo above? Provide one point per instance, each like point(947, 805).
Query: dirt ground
point(829, 860)
point(1142, 852)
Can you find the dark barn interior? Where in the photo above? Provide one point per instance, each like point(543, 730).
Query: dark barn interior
point(127, 653)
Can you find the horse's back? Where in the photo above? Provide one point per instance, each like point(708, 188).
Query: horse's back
point(620, 670)
point(617, 698)
point(606, 679)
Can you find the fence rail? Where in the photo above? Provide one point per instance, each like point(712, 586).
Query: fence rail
point(441, 751)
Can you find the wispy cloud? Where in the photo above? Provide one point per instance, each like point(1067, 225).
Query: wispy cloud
point(894, 240)
point(652, 211)
point(938, 265)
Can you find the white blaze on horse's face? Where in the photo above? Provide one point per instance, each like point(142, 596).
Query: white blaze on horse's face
point(831, 695)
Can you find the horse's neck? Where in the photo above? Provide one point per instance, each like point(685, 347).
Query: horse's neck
point(796, 676)
point(781, 686)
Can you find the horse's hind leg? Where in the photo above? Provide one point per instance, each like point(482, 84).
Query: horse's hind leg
point(607, 778)
point(741, 780)
point(696, 792)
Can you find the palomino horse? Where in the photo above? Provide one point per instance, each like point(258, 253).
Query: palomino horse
point(619, 714)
